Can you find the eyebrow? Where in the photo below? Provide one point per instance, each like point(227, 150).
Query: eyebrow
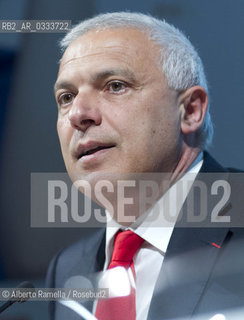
point(63, 85)
point(101, 75)
point(114, 72)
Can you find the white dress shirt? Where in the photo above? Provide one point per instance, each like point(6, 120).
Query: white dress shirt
point(148, 260)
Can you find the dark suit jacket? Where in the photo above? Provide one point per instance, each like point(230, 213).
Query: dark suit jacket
point(203, 269)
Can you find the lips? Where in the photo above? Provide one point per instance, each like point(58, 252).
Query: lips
point(91, 148)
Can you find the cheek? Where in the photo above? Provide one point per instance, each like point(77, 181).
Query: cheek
point(163, 131)
point(63, 123)
point(63, 128)
point(64, 132)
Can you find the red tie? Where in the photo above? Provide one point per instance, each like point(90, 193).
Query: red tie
point(120, 308)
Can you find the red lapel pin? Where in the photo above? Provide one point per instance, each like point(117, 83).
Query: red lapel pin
point(215, 245)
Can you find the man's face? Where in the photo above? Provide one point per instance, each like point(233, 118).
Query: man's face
point(115, 111)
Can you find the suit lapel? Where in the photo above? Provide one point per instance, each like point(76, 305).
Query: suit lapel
point(89, 264)
point(96, 265)
point(187, 266)
point(190, 258)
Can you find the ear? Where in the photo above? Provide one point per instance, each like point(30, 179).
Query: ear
point(193, 106)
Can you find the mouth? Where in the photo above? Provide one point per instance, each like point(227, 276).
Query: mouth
point(90, 150)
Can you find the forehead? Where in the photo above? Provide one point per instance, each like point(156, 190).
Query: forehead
point(126, 45)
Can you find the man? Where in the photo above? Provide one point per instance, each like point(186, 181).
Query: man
point(133, 99)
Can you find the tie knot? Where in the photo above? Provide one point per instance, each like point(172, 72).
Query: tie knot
point(126, 245)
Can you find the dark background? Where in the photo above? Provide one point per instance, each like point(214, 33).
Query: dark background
point(28, 139)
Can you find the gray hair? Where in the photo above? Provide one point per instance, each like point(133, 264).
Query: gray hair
point(180, 62)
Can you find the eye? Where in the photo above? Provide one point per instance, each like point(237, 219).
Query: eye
point(116, 87)
point(65, 99)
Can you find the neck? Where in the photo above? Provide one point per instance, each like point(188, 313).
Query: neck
point(133, 211)
point(187, 158)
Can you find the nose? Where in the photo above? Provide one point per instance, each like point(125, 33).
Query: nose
point(84, 112)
